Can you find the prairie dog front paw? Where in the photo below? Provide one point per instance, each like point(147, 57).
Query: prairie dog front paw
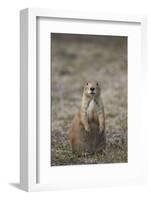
point(87, 128)
point(101, 130)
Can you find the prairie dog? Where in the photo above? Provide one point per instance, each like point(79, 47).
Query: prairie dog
point(87, 132)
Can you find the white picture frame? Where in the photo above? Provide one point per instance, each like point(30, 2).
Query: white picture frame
point(30, 166)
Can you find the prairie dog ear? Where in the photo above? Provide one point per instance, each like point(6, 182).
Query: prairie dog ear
point(98, 84)
point(87, 82)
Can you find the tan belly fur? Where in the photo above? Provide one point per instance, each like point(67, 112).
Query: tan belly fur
point(91, 112)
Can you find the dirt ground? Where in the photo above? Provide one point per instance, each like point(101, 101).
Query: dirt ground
point(76, 59)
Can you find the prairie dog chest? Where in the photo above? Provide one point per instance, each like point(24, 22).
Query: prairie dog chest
point(91, 109)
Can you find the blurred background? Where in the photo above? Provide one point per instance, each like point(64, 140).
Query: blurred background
point(74, 60)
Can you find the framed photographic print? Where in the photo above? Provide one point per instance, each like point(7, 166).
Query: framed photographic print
point(82, 77)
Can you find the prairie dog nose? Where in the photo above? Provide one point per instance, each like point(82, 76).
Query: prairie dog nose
point(92, 88)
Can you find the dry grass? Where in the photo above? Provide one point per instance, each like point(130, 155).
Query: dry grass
point(76, 59)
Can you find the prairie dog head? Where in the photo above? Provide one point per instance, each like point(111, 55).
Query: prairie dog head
point(92, 89)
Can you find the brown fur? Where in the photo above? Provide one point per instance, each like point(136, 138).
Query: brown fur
point(87, 131)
